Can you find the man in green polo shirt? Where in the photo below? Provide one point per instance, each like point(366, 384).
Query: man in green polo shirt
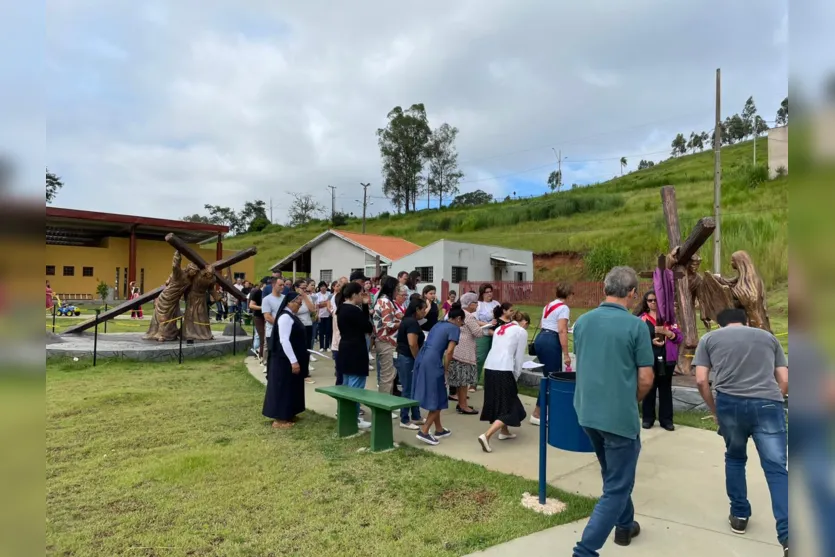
point(614, 373)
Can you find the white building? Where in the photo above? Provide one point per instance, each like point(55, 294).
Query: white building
point(336, 253)
point(458, 262)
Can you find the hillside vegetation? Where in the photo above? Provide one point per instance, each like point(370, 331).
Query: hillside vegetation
point(615, 222)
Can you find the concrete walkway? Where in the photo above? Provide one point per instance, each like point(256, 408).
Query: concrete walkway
point(679, 493)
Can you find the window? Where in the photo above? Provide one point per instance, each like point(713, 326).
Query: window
point(459, 274)
point(87, 271)
point(358, 270)
point(50, 270)
point(520, 276)
point(326, 275)
point(236, 275)
point(426, 273)
point(69, 271)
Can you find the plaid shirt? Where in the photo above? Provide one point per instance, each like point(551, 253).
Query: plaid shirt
point(386, 320)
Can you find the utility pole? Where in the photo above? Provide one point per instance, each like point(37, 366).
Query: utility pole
point(271, 211)
point(559, 167)
point(364, 203)
point(717, 176)
point(333, 202)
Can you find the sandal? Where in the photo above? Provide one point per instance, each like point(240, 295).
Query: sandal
point(471, 412)
point(282, 425)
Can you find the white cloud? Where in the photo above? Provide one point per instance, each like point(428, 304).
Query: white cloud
point(224, 104)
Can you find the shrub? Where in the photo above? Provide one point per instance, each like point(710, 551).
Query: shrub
point(600, 260)
point(781, 171)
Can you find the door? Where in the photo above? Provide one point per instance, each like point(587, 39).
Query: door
point(497, 273)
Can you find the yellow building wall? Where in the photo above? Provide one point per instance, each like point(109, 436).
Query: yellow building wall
point(153, 256)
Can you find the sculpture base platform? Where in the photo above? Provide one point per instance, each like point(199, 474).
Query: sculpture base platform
point(131, 346)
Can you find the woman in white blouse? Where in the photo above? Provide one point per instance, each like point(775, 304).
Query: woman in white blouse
point(551, 343)
point(305, 315)
point(502, 407)
point(484, 313)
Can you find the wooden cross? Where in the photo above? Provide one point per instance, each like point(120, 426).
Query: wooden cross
point(189, 253)
point(697, 237)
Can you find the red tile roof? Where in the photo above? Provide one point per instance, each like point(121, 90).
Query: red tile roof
point(388, 246)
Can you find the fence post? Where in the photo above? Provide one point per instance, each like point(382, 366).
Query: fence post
point(180, 357)
point(105, 323)
point(54, 311)
point(96, 338)
point(235, 333)
point(543, 435)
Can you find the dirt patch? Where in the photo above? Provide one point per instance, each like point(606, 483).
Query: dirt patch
point(558, 265)
point(456, 497)
point(551, 506)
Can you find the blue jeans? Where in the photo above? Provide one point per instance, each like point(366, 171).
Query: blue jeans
point(741, 418)
point(810, 447)
point(405, 366)
point(618, 457)
point(357, 382)
point(314, 335)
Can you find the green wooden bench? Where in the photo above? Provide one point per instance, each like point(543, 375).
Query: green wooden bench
point(381, 405)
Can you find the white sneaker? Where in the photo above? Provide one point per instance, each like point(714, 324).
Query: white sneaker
point(485, 444)
point(264, 369)
point(395, 415)
point(370, 356)
point(362, 424)
point(534, 421)
point(313, 359)
point(503, 437)
point(254, 352)
point(311, 368)
point(409, 425)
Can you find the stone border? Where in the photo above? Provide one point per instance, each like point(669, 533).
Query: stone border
point(131, 346)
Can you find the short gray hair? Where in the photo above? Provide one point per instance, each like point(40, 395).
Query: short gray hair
point(620, 282)
point(401, 289)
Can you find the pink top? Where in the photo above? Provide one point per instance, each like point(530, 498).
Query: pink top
point(465, 350)
point(49, 302)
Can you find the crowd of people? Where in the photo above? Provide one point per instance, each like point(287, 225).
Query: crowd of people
point(437, 355)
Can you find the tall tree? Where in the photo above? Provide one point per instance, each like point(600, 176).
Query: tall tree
point(555, 180)
point(679, 145)
point(53, 184)
point(223, 216)
point(622, 165)
point(645, 164)
point(444, 174)
point(760, 126)
point(403, 150)
point(472, 198)
point(723, 130)
point(704, 137)
point(783, 113)
point(749, 113)
point(197, 218)
point(304, 209)
point(735, 129)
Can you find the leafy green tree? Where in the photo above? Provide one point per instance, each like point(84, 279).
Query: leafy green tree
point(555, 180)
point(197, 218)
point(679, 145)
point(403, 146)
point(471, 199)
point(783, 113)
point(736, 129)
point(760, 126)
point(53, 184)
point(340, 219)
point(444, 175)
point(749, 113)
point(258, 224)
point(643, 164)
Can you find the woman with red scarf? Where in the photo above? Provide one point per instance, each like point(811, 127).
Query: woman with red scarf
point(665, 340)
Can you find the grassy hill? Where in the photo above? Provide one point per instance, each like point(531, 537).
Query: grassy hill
point(616, 222)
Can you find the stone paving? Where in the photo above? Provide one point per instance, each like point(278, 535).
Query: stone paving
point(131, 346)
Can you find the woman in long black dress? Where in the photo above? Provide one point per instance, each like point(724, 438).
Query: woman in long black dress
point(288, 365)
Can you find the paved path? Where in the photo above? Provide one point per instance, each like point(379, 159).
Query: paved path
point(679, 492)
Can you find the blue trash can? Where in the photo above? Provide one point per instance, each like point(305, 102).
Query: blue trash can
point(564, 432)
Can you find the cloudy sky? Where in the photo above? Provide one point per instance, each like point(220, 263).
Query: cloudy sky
point(159, 107)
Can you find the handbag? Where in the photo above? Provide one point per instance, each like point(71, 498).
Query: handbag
point(531, 344)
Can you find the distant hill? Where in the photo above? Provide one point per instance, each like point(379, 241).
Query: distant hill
point(616, 222)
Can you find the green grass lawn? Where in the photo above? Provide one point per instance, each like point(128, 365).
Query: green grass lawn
point(146, 459)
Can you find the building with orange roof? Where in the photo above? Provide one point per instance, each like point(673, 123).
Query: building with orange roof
point(336, 253)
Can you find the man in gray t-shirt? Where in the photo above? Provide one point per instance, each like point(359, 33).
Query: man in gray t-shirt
point(269, 307)
point(752, 379)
